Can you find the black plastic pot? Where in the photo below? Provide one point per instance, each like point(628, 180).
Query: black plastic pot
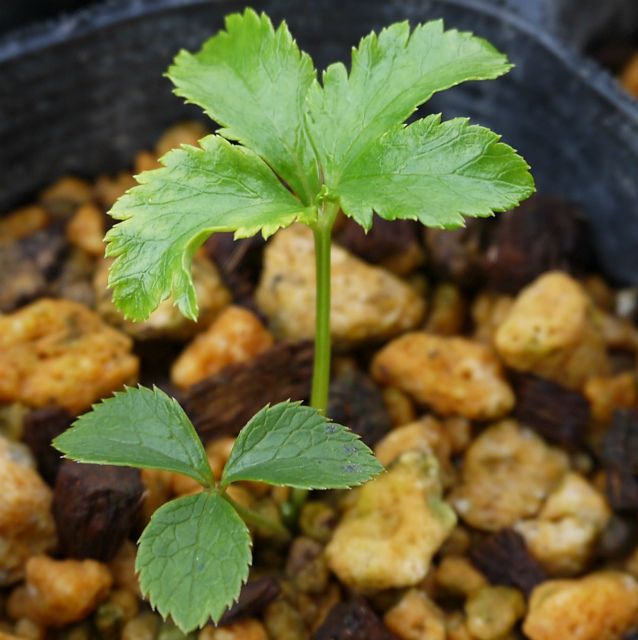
point(579, 22)
point(82, 95)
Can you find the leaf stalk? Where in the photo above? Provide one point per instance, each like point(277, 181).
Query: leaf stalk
point(322, 231)
point(254, 519)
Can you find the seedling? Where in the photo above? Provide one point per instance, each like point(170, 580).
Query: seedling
point(291, 149)
point(194, 555)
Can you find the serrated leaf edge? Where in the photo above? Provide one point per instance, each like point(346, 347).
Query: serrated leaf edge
point(164, 611)
point(205, 482)
point(290, 404)
point(462, 215)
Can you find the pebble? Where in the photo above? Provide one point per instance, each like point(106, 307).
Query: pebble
point(392, 528)
point(454, 376)
point(249, 629)
point(167, 321)
point(416, 617)
point(368, 303)
point(564, 535)
point(59, 592)
point(236, 335)
point(26, 524)
point(60, 352)
point(507, 473)
point(65, 195)
point(447, 310)
point(600, 606)
point(457, 576)
point(552, 331)
point(492, 612)
point(86, 229)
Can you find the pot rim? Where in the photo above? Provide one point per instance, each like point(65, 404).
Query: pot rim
point(80, 24)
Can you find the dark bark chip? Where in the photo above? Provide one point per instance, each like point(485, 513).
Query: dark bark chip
point(559, 415)
point(386, 240)
point(357, 402)
point(40, 427)
point(542, 234)
point(95, 507)
point(239, 262)
point(255, 596)
point(223, 403)
point(504, 559)
point(620, 459)
point(456, 255)
point(352, 620)
point(29, 265)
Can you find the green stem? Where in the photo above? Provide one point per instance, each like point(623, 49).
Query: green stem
point(258, 521)
point(321, 367)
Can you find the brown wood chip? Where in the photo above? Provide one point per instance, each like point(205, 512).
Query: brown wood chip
point(504, 559)
point(223, 403)
point(542, 234)
point(356, 401)
point(29, 265)
point(620, 459)
point(387, 239)
point(40, 427)
point(239, 262)
point(456, 255)
point(557, 414)
point(254, 597)
point(352, 620)
point(618, 538)
point(95, 507)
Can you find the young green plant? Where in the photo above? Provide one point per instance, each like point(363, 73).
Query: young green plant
point(194, 555)
point(291, 148)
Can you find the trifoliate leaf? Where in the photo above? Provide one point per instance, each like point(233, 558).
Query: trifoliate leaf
point(435, 172)
point(138, 428)
point(218, 187)
point(392, 73)
point(253, 80)
point(193, 558)
point(289, 444)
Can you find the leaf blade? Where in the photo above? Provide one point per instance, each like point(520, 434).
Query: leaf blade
point(435, 172)
point(253, 79)
point(391, 74)
point(289, 444)
point(193, 558)
point(173, 209)
point(139, 427)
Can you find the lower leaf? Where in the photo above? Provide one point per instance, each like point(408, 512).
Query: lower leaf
point(193, 558)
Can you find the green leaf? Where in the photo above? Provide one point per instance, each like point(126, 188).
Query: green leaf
point(193, 558)
point(218, 187)
point(435, 172)
point(253, 80)
point(138, 428)
point(391, 74)
point(289, 444)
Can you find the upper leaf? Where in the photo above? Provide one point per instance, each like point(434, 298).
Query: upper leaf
point(391, 74)
point(289, 444)
point(193, 558)
point(253, 80)
point(435, 172)
point(138, 428)
point(218, 187)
